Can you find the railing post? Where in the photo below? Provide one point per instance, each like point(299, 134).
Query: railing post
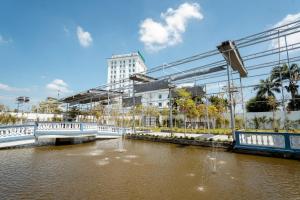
point(35, 128)
point(287, 141)
point(237, 138)
point(81, 127)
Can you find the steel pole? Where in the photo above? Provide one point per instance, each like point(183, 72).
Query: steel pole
point(243, 105)
point(133, 100)
point(170, 111)
point(232, 122)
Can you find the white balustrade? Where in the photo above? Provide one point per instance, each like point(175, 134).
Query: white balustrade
point(58, 126)
point(16, 131)
point(63, 127)
point(114, 130)
point(90, 127)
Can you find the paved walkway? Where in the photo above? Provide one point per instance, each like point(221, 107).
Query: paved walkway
point(207, 136)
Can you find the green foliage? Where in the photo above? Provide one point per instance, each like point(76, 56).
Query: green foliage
point(56, 119)
point(267, 88)
point(256, 122)
point(8, 119)
point(291, 73)
point(220, 103)
point(258, 104)
point(50, 105)
point(73, 113)
point(98, 111)
point(239, 122)
point(294, 104)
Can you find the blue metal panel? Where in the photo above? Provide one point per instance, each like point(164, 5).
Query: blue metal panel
point(287, 142)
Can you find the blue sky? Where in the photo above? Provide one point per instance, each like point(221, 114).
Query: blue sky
point(40, 48)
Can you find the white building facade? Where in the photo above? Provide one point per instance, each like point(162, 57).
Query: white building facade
point(157, 98)
point(120, 67)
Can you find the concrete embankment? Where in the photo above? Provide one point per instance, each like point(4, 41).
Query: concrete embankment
point(182, 141)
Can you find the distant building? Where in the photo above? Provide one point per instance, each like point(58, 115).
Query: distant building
point(120, 67)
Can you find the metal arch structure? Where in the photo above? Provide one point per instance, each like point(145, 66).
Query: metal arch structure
point(227, 63)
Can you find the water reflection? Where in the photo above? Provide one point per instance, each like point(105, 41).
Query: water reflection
point(145, 171)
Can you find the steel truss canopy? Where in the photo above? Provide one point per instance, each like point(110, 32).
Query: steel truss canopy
point(141, 78)
point(209, 65)
point(233, 57)
point(92, 95)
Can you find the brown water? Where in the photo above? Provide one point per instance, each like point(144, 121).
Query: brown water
point(145, 171)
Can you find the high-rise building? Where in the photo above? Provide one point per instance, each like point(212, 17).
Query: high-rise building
point(120, 67)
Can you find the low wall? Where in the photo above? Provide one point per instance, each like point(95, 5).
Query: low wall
point(182, 141)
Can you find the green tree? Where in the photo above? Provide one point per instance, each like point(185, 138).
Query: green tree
point(258, 104)
point(50, 105)
point(73, 113)
point(186, 105)
point(220, 103)
point(267, 88)
point(291, 73)
point(273, 104)
point(99, 112)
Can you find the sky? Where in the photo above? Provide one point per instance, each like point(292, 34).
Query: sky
point(52, 45)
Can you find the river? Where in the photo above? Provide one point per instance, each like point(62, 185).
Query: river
point(146, 170)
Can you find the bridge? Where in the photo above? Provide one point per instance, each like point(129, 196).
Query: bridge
point(16, 135)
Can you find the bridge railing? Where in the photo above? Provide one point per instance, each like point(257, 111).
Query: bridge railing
point(89, 127)
point(61, 128)
point(111, 129)
point(57, 126)
point(267, 141)
point(16, 131)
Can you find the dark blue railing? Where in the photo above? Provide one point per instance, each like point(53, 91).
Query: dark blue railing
point(267, 141)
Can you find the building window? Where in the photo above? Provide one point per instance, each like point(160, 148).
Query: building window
point(159, 96)
point(133, 64)
point(159, 104)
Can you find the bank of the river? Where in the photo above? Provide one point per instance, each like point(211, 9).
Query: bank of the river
point(210, 142)
point(182, 140)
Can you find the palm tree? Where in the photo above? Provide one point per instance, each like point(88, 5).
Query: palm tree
point(267, 88)
point(291, 73)
point(271, 101)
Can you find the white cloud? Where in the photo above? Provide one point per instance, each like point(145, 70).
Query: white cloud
point(8, 88)
point(4, 40)
point(159, 35)
point(291, 39)
point(84, 37)
point(58, 85)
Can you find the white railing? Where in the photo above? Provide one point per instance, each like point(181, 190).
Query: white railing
point(112, 129)
point(65, 128)
point(58, 126)
point(16, 131)
point(89, 127)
